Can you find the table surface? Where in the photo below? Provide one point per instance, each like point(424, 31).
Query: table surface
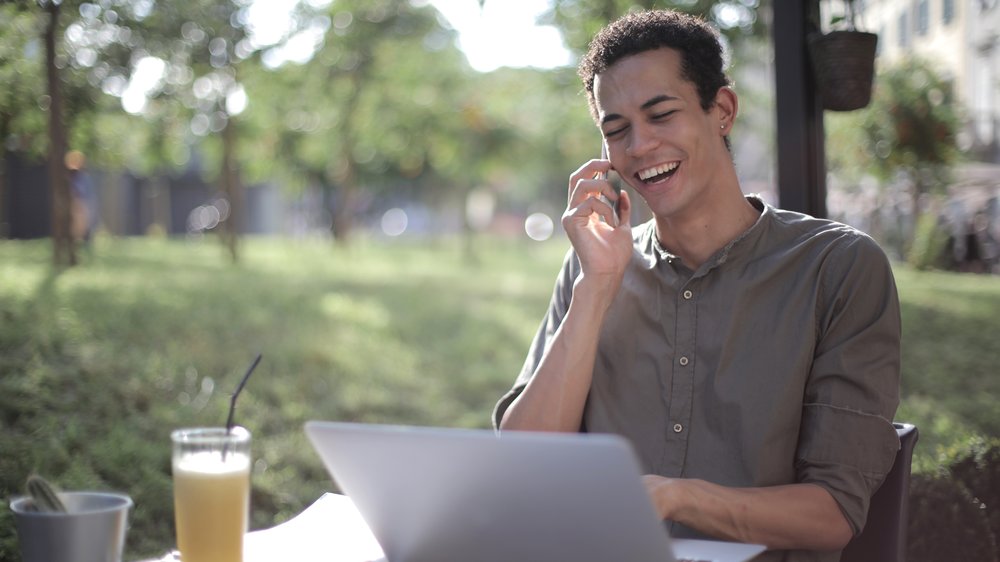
point(332, 530)
point(329, 530)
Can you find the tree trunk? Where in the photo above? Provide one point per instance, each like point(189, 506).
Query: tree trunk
point(342, 220)
point(343, 215)
point(232, 188)
point(63, 246)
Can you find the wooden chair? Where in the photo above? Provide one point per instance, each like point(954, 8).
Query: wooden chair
point(884, 537)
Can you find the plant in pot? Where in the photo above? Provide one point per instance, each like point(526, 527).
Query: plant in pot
point(843, 61)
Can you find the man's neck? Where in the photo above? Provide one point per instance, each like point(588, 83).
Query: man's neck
point(696, 235)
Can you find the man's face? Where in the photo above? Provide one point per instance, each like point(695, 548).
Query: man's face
point(659, 138)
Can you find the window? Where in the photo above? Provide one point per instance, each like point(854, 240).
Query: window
point(923, 17)
point(947, 11)
point(904, 30)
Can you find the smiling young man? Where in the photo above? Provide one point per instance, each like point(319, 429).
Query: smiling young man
point(750, 354)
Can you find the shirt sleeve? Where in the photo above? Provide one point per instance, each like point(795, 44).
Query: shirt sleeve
point(561, 296)
point(847, 442)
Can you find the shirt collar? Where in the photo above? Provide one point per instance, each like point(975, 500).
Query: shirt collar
point(656, 253)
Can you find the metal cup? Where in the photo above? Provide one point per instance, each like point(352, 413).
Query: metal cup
point(92, 529)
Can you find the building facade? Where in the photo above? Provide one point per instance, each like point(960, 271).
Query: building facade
point(963, 38)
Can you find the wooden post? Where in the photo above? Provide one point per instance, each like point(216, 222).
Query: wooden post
point(801, 156)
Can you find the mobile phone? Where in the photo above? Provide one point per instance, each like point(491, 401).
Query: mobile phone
point(614, 184)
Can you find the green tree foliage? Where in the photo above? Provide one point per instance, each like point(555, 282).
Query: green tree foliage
point(906, 134)
point(580, 20)
point(21, 74)
point(386, 107)
point(53, 58)
point(911, 124)
point(201, 46)
point(555, 134)
point(48, 26)
point(174, 67)
point(386, 101)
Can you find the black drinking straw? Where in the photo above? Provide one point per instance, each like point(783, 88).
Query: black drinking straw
point(232, 401)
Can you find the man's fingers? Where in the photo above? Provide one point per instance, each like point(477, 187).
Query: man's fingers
point(590, 192)
point(589, 171)
point(588, 207)
point(587, 188)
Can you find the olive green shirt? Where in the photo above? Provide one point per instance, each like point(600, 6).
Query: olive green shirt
point(775, 362)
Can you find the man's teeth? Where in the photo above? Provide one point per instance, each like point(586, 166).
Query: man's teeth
point(657, 170)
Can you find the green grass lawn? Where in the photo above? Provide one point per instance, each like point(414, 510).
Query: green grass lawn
point(951, 360)
point(98, 363)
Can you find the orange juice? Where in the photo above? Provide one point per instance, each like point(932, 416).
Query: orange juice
point(211, 505)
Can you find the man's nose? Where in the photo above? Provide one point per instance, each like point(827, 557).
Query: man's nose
point(642, 139)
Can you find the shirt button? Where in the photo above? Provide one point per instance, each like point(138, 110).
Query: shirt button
point(688, 295)
point(683, 361)
point(678, 428)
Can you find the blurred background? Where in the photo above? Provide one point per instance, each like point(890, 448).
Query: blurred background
point(317, 118)
point(369, 193)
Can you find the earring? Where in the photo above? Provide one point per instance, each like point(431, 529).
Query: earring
point(723, 126)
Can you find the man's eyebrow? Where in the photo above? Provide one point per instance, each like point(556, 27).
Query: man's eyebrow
point(610, 117)
point(658, 99)
point(649, 103)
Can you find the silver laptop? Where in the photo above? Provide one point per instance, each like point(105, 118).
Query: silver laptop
point(432, 494)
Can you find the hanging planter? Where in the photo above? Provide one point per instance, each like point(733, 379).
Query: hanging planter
point(844, 65)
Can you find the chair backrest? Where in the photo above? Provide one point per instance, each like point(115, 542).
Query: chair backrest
point(884, 537)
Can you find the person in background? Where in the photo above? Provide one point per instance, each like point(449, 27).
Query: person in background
point(80, 194)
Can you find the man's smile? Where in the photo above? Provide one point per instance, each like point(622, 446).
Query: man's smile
point(658, 173)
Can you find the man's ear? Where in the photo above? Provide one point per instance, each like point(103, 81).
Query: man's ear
point(727, 105)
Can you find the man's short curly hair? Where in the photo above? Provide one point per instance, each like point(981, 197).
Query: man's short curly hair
point(637, 32)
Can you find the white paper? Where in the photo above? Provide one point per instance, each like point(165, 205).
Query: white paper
point(329, 530)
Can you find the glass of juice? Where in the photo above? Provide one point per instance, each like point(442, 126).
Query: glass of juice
point(211, 470)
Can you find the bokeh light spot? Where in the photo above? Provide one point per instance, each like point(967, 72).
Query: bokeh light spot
point(539, 226)
point(394, 222)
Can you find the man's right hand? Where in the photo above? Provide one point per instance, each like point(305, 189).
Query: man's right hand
point(554, 398)
point(601, 239)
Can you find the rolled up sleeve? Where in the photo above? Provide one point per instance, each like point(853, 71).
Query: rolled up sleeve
point(848, 453)
point(847, 442)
